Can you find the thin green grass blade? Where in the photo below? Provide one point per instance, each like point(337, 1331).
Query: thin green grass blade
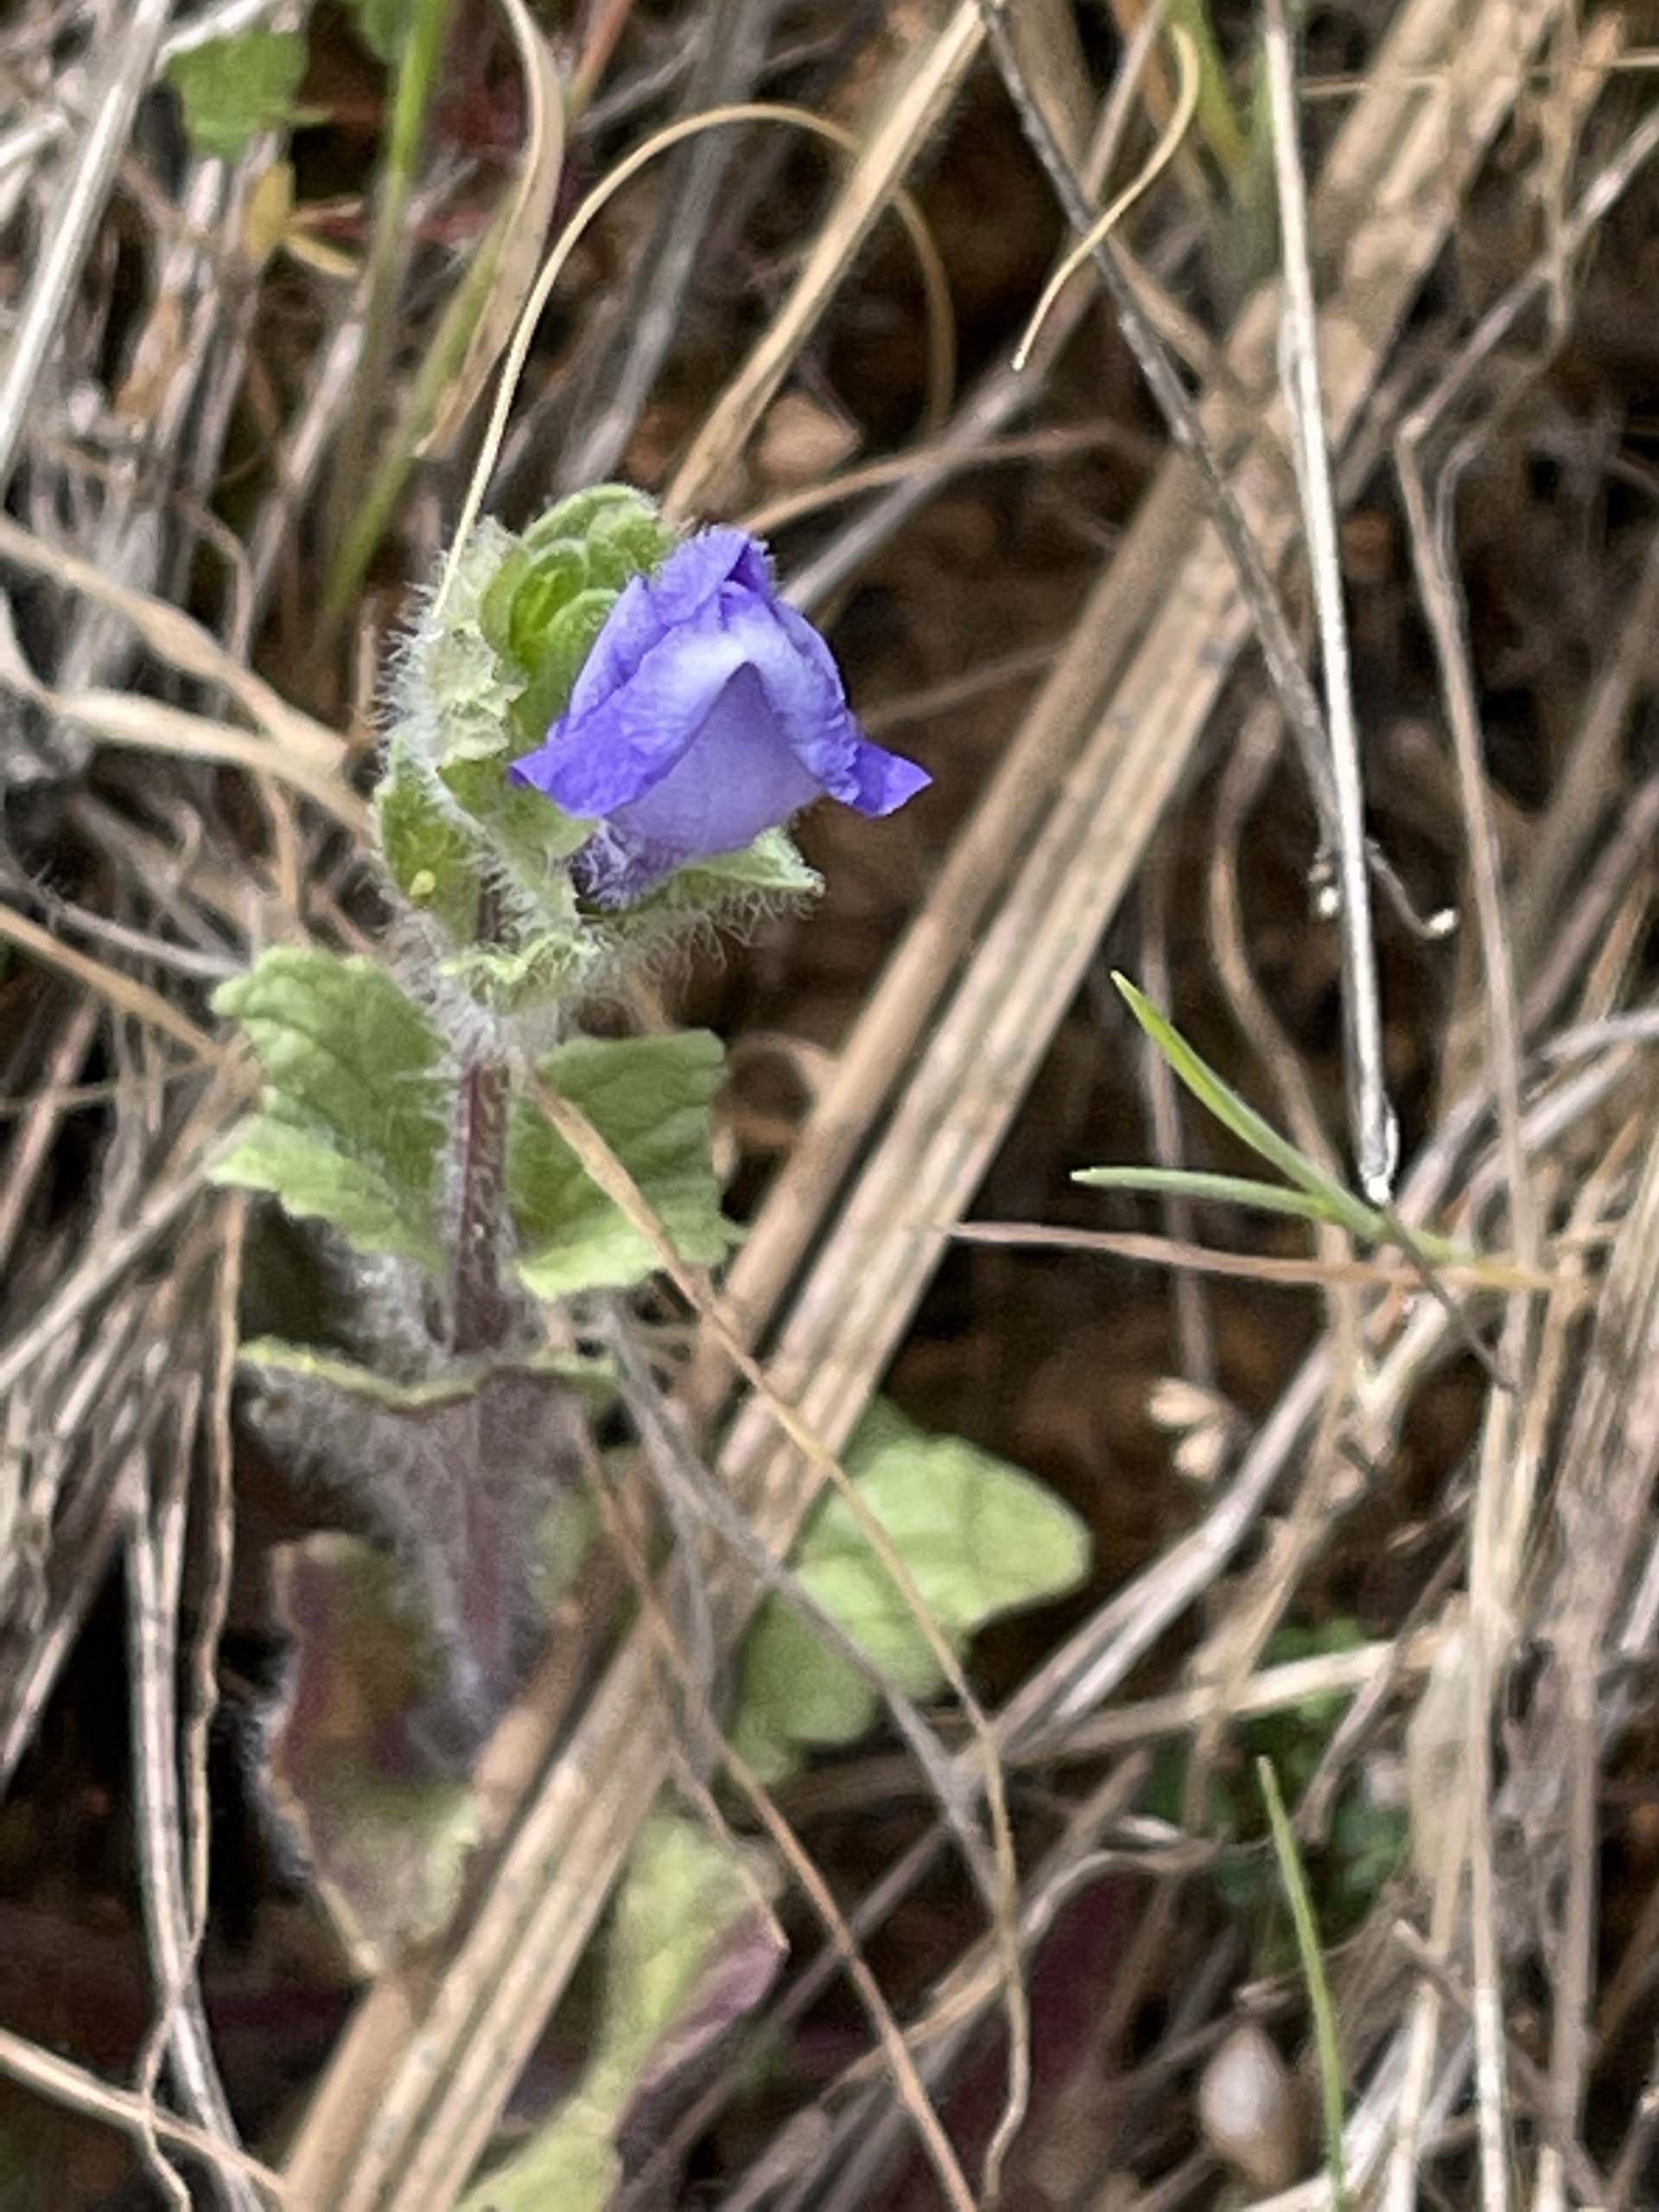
point(1220, 1099)
point(1221, 1190)
point(1293, 1875)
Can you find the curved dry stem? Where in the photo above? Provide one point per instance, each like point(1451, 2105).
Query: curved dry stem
point(942, 379)
point(1153, 167)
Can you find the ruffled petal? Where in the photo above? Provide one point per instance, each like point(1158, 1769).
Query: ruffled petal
point(597, 761)
point(631, 628)
point(805, 684)
point(685, 591)
point(737, 779)
point(695, 571)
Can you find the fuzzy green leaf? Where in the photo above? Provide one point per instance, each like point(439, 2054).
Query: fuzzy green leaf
point(692, 1947)
point(979, 1538)
point(571, 2161)
point(432, 857)
point(352, 1118)
point(648, 1098)
point(560, 644)
point(530, 586)
point(772, 864)
point(231, 89)
point(525, 828)
point(602, 506)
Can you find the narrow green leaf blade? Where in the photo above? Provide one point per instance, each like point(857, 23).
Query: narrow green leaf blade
point(1220, 1190)
point(650, 1098)
point(354, 1116)
point(1219, 1098)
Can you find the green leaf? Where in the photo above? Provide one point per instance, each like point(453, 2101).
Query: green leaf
point(772, 864)
point(456, 690)
point(599, 505)
point(531, 586)
point(979, 1537)
point(354, 1116)
point(536, 970)
point(692, 1947)
point(571, 2161)
point(432, 857)
point(231, 89)
point(561, 643)
point(1246, 1124)
point(1222, 1190)
point(648, 1098)
point(625, 539)
point(532, 834)
point(388, 1848)
point(543, 947)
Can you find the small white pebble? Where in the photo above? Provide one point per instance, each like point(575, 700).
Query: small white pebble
point(1248, 2110)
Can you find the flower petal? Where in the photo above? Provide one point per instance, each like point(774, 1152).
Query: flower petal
point(886, 780)
point(805, 684)
point(595, 761)
point(685, 589)
point(738, 779)
point(695, 569)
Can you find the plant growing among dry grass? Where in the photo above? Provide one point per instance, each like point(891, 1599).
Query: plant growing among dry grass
point(241, 379)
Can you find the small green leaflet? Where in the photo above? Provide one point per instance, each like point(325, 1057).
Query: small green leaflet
point(231, 89)
point(692, 1948)
point(432, 860)
point(649, 1098)
point(979, 1537)
point(354, 1116)
point(353, 1121)
point(771, 866)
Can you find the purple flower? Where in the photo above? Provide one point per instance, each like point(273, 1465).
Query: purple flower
point(707, 711)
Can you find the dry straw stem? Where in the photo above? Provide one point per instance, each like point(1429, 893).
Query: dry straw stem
point(1376, 1137)
point(1082, 1673)
point(693, 1683)
point(125, 992)
point(524, 222)
point(181, 641)
point(916, 109)
point(61, 2083)
point(124, 66)
point(155, 1575)
point(1148, 656)
point(941, 319)
point(642, 322)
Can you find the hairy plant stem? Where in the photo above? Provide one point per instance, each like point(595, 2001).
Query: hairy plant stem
point(478, 1317)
